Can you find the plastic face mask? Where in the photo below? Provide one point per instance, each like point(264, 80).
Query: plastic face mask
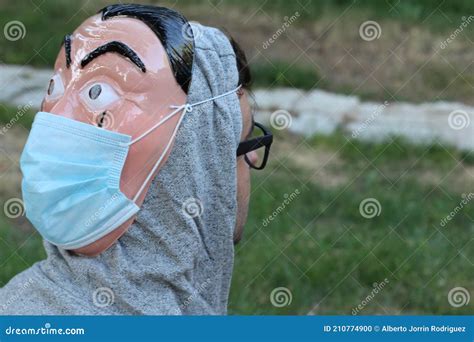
point(71, 177)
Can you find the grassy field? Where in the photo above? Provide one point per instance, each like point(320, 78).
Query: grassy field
point(322, 48)
point(319, 246)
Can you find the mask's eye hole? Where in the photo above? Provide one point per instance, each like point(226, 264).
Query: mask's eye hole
point(95, 91)
point(55, 88)
point(98, 96)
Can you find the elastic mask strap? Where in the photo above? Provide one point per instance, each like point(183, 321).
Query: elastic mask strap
point(185, 108)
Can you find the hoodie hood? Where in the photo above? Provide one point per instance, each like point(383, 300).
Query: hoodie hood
point(177, 257)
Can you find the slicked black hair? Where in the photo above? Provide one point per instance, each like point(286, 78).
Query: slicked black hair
point(245, 75)
point(171, 28)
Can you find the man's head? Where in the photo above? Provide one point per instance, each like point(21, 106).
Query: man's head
point(122, 70)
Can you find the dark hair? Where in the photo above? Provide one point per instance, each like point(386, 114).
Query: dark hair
point(171, 28)
point(245, 75)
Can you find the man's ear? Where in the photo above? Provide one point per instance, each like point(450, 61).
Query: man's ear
point(240, 92)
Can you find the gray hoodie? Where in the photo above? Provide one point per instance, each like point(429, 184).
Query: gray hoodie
point(177, 257)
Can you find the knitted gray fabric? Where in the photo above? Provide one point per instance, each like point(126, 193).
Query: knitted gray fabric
point(172, 260)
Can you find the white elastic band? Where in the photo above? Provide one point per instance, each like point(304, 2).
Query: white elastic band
point(186, 108)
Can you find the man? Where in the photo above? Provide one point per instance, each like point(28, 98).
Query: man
point(175, 256)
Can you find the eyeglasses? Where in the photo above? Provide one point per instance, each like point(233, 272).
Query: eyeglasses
point(256, 144)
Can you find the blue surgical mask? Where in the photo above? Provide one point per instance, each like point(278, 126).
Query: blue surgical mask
point(71, 177)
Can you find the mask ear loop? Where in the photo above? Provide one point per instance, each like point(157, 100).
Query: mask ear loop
point(185, 108)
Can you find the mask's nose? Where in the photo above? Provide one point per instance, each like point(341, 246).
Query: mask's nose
point(67, 106)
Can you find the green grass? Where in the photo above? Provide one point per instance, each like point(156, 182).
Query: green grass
point(11, 116)
point(47, 22)
point(284, 74)
point(322, 249)
point(19, 248)
point(326, 253)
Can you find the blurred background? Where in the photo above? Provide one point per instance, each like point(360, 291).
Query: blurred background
point(366, 206)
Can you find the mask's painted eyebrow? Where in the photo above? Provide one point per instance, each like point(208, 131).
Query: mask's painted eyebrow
point(116, 47)
point(67, 48)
